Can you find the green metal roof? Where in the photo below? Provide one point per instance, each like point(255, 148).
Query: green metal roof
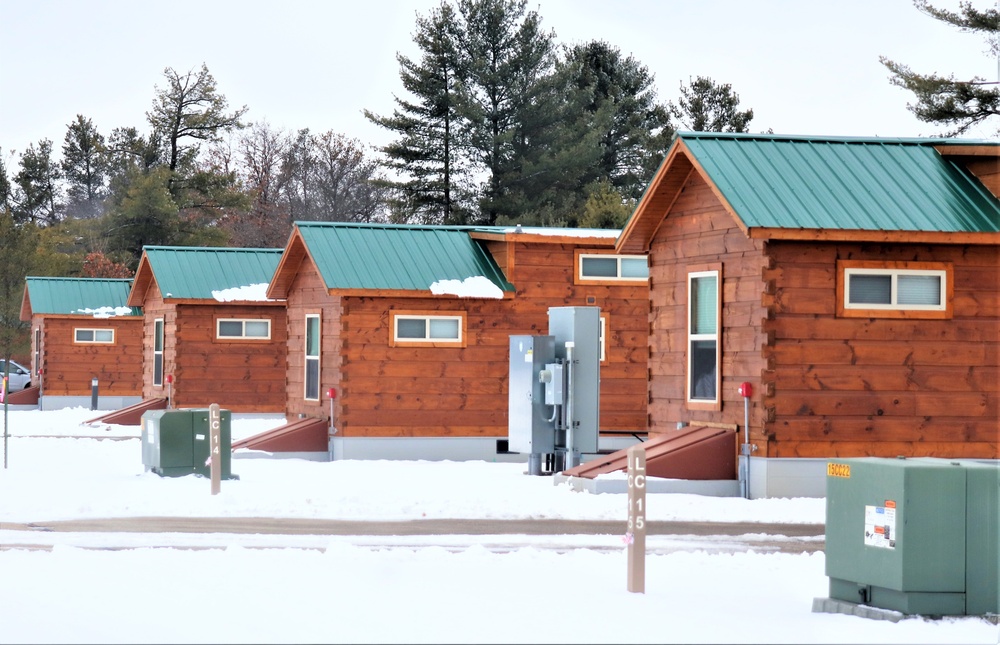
point(397, 257)
point(845, 183)
point(100, 297)
point(212, 273)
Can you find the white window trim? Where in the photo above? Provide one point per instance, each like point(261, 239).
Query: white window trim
point(895, 273)
point(459, 340)
point(615, 278)
point(307, 358)
point(243, 334)
point(692, 338)
point(602, 337)
point(94, 331)
point(160, 335)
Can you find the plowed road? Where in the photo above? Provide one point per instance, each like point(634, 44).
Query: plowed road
point(495, 534)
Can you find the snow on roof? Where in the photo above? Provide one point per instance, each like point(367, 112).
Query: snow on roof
point(254, 292)
point(565, 232)
point(105, 312)
point(474, 287)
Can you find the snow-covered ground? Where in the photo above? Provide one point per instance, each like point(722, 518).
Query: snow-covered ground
point(228, 588)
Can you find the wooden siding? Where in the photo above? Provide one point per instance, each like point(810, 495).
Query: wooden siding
point(850, 387)
point(69, 367)
point(246, 376)
point(154, 308)
point(699, 231)
point(403, 391)
point(240, 375)
point(544, 277)
point(307, 295)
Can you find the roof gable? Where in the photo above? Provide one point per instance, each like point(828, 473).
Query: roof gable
point(205, 273)
point(392, 258)
point(773, 184)
point(97, 297)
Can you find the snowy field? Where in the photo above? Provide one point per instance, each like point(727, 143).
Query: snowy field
point(238, 588)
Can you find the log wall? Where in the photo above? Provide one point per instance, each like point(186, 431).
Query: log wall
point(241, 375)
point(246, 376)
point(459, 391)
point(69, 367)
point(698, 231)
point(850, 387)
point(308, 295)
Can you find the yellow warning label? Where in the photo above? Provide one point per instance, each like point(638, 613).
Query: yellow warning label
point(838, 470)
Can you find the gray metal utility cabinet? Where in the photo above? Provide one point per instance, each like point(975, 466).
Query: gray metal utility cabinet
point(554, 388)
point(176, 442)
point(917, 536)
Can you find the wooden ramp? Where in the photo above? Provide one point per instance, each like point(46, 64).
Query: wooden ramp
point(27, 396)
point(301, 435)
point(131, 415)
point(696, 453)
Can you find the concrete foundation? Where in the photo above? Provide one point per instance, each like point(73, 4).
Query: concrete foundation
point(104, 403)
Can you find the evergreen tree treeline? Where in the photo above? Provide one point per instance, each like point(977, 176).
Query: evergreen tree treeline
point(495, 123)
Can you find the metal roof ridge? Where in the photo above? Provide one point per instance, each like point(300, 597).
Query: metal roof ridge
point(496, 228)
point(213, 249)
point(71, 277)
point(929, 141)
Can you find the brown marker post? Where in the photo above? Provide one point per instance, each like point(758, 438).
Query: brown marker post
point(215, 446)
point(636, 535)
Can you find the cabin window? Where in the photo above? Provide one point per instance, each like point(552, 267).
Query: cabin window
point(894, 289)
point(81, 335)
point(602, 339)
point(428, 329)
point(38, 349)
point(158, 352)
point(312, 357)
point(605, 267)
point(232, 328)
point(704, 317)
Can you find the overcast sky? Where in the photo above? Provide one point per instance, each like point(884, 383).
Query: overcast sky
point(805, 67)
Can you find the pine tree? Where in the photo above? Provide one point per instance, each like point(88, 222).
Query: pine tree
point(188, 111)
point(146, 215)
point(959, 105)
point(84, 167)
point(36, 197)
point(705, 106)
point(6, 191)
point(504, 55)
point(19, 242)
point(619, 97)
point(427, 152)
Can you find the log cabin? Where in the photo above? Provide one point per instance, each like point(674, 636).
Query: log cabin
point(408, 327)
point(210, 333)
point(853, 283)
point(82, 330)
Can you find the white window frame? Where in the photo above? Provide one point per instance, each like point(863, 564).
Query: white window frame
point(309, 359)
point(702, 403)
point(894, 275)
point(581, 278)
point(38, 350)
point(944, 271)
point(159, 337)
point(94, 332)
point(603, 336)
point(427, 341)
point(243, 325)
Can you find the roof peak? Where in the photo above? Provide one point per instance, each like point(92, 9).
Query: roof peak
point(212, 249)
point(75, 278)
point(926, 141)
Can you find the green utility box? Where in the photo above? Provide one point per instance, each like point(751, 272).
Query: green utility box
point(177, 442)
point(918, 536)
